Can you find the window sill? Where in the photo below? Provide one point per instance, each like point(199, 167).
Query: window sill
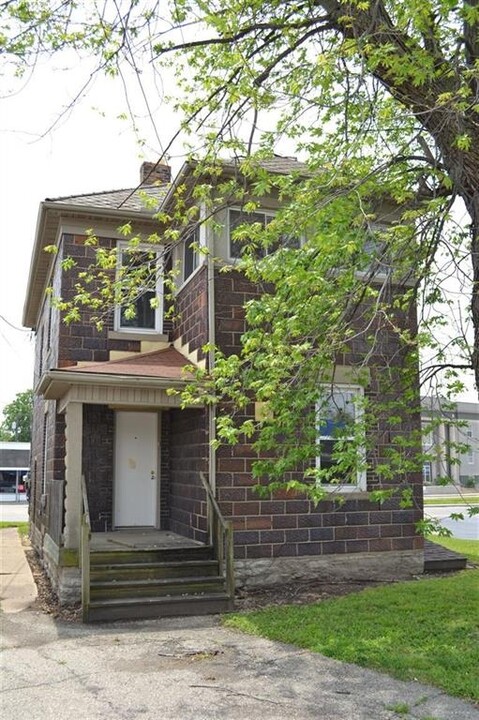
point(137, 335)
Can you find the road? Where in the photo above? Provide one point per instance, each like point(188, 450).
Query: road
point(467, 529)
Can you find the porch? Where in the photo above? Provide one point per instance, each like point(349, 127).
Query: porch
point(140, 539)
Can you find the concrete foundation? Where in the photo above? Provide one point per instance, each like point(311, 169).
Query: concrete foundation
point(386, 566)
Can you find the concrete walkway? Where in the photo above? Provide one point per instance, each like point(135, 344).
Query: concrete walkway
point(189, 669)
point(17, 587)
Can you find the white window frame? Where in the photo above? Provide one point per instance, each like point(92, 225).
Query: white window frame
point(361, 481)
point(259, 211)
point(158, 328)
point(192, 237)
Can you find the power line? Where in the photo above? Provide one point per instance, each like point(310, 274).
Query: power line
point(14, 327)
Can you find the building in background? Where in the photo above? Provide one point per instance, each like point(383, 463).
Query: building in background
point(451, 442)
point(14, 465)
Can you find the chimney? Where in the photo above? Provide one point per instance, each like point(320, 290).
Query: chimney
point(155, 173)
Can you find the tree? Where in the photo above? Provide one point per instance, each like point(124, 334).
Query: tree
point(381, 100)
point(17, 418)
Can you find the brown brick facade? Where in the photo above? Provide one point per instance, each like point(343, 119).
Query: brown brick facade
point(98, 463)
point(191, 325)
point(188, 456)
point(288, 525)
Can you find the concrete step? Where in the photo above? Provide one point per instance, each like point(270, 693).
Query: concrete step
point(156, 588)
point(137, 608)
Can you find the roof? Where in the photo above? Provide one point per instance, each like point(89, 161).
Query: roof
point(133, 199)
point(167, 363)
point(114, 206)
point(278, 165)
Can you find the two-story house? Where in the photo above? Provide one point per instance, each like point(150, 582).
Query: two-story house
point(110, 439)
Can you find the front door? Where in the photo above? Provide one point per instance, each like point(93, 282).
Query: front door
point(136, 465)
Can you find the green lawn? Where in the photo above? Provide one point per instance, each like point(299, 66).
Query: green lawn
point(455, 500)
point(22, 526)
point(469, 548)
point(425, 630)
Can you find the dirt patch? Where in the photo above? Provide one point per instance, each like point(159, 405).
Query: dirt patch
point(298, 593)
point(47, 601)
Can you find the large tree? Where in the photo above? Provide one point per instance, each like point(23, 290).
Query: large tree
point(380, 99)
point(17, 418)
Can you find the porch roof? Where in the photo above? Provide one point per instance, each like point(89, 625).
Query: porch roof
point(155, 371)
point(166, 363)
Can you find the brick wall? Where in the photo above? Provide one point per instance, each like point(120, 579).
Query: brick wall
point(188, 456)
point(191, 308)
point(287, 524)
point(98, 463)
point(165, 470)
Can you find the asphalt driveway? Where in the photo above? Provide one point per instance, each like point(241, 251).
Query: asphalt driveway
point(190, 669)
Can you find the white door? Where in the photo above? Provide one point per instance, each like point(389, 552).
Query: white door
point(136, 465)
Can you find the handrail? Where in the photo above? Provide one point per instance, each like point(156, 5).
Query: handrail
point(220, 533)
point(85, 537)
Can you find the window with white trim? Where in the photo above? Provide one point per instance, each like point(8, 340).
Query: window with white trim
point(237, 218)
point(139, 270)
point(191, 256)
point(339, 411)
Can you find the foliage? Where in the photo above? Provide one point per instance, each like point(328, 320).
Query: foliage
point(17, 418)
point(424, 630)
point(380, 99)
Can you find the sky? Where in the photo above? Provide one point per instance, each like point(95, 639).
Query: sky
point(90, 149)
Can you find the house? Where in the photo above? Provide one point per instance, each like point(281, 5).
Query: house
point(131, 504)
point(450, 442)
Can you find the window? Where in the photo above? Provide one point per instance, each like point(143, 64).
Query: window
point(338, 414)
point(142, 291)
point(376, 249)
point(191, 257)
point(238, 218)
point(470, 451)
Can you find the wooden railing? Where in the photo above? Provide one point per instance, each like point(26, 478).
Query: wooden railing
point(220, 533)
point(85, 537)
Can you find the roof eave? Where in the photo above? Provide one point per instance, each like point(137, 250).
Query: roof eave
point(31, 304)
point(55, 383)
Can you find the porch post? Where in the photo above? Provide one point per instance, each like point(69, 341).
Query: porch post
point(73, 471)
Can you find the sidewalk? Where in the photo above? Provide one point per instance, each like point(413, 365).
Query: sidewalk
point(17, 587)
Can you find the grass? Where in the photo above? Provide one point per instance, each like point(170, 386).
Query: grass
point(23, 527)
point(456, 500)
point(469, 548)
point(424, 630)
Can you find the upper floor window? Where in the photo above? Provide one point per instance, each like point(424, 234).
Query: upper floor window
point(338, 415)
point(191, 256)
point(142, 289)
point(238, 218)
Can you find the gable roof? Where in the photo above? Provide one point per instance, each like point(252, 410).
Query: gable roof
point(132, 199)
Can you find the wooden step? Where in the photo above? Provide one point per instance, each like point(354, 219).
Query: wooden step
point(146, 571)
point(137, 608)
point(120, 557)
point(159, 588)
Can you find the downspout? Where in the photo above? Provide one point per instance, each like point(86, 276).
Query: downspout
point(211, 352)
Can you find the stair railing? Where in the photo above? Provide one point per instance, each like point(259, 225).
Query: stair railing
point(220, 533)
point(85, 537)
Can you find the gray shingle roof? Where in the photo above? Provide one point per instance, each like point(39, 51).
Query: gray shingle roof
point(277, 164)
point(134, 199)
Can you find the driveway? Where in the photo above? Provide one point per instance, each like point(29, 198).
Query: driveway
point(190, 669)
